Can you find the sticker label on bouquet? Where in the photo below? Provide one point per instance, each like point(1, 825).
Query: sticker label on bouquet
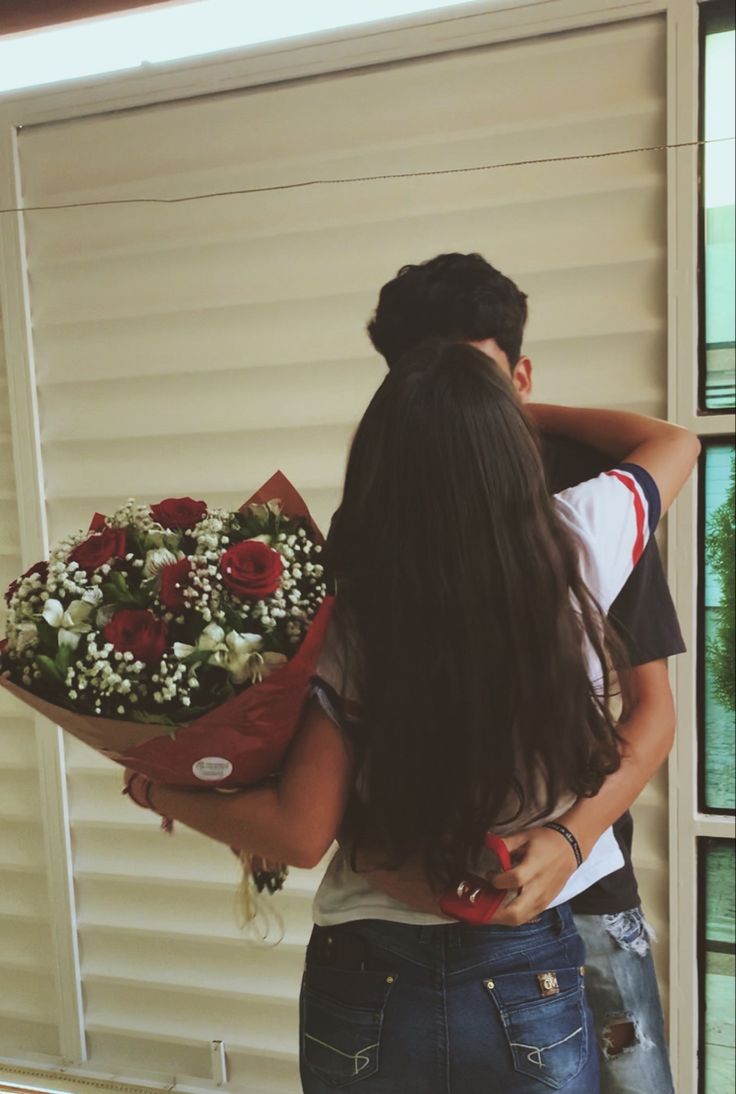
point(211, 769)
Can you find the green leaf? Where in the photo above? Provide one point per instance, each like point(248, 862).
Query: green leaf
point(147, 719)
point(234, 620)
point(63, 659)
point(135, 542)
point(117, 591)
point(250, 525)
point(48, 635)
point(49, 669)
point(118, 580)
point(197, 657)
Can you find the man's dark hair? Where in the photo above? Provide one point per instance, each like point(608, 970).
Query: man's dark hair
point(456, 296)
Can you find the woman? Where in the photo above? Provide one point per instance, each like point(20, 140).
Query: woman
point(465, 687)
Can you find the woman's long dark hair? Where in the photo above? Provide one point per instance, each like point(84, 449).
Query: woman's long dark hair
point(454, 579)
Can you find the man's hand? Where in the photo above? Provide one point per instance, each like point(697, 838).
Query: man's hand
point(544, 862)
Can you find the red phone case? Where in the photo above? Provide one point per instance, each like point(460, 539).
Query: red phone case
point(475, 900)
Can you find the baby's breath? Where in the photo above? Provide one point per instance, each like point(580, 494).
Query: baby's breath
point(56, 628)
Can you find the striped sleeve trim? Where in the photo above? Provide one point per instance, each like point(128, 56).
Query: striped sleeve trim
point(646, 501)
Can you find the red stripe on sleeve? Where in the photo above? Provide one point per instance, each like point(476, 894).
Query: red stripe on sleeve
point(638, 510)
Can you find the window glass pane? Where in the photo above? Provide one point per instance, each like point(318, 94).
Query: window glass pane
point(719, 1058)
point(718, 197)
point(717, 641)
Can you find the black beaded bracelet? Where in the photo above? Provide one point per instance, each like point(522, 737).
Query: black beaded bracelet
point(569, 837)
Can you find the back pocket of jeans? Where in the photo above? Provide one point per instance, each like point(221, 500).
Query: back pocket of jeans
point(543, 1014)
point(342, 1021)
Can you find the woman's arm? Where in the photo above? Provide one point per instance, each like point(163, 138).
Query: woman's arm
point(668, 452)
point(548, 861)
point(293, 822)
point(647, 737)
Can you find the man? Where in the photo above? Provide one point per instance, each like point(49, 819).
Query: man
point(462, 297)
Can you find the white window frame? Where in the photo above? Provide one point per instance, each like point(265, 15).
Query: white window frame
point(475, 24)
point(687, 822)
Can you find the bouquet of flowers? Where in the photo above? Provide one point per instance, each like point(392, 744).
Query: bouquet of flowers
point(177, 639)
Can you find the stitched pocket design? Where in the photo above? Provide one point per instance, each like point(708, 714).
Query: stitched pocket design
point(342, 1019)
point(547, 1034)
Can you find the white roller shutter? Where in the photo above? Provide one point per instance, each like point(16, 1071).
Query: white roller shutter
point(195, 348)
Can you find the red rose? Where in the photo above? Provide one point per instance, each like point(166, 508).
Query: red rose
point(251, 569)
point(40, 568)
point(180, 513)
point(138, 632)
point(174, 580)
point(100, 548)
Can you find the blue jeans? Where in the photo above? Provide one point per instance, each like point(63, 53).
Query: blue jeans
point(391, 1008)
point(622, 991)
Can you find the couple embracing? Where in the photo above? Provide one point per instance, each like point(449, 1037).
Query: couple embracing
point(496, 663)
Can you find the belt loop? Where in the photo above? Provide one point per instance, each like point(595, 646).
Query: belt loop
point(560, 926)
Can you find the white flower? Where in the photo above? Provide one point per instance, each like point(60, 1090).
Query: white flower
point(241, 655)
point(212, 638)
point(245, 660)
point(238, 654)
point(157, 559)
point(104, 615)
point(92, 596)
point(25, 636)
point(267, 662)
point(72, 623)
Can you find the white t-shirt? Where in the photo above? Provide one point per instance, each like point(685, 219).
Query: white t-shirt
point(612, 517)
